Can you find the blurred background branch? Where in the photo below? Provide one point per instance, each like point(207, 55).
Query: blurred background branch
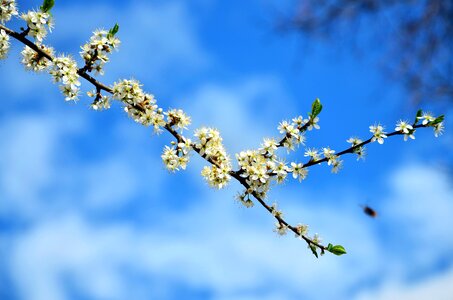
point(412, 39)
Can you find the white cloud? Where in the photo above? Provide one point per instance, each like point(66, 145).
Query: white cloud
point(437, 287)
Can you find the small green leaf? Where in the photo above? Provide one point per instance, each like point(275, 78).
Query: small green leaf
point(313, 249)
point(337, 249)
point(418, 115)
point(316, 108)
point(438, 120)
point(113, 31)
point(47, 5)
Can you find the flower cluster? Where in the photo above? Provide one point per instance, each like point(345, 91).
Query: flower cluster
point(34, 61)
point(95, 51)
point(38, 23)
point(4, 43)
point(140, 106)
point(209, 146)
point(178, 118)
point(378, 133)
point(177, 156)
point(8, 8)
point(293, 133)
point(64, 70)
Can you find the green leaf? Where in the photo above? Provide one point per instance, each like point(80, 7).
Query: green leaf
point(418, 115)
point(337, 249)
point(313, 249)
point(113, 31)
point(316, 108)
point(47, 5)
point(438, 120)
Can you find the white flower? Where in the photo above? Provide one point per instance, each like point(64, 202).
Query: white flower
point(378, 133)
point(302, 230)
point(328, 153)
point(4, 43)
point(33, 61)
point(313, 123)
point(38, 22)
point(298, 170)
point(170, 159)
point(406, 128)
point(95, 51)
point(215, 176)
point(64, 69)
point(8, 9)
point(269, 146)
point(178, 118)
point(280, 228)
point(312, 153)
point(128, 91)
point(426, 117)
point(439, 129)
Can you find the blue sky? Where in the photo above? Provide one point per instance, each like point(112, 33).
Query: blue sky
point(87, 210)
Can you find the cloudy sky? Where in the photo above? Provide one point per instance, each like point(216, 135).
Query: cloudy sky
point(87, 210)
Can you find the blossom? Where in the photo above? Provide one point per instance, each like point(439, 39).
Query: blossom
point(170, 159)
point(269, 146)
point(8, 8)
point(426, 117)
point(360, 151)
point(128, 91)
point(406, 128)
point(38, 22)
point(328, 153)
point(215, 176)
point(64, 70)
point(298, 170)
point(34, 61)
point(95, 51)
point(178, 118)
point(378, 133)
point(439, 129)
point(312, 153)
point(280, 228)
point(210, 146)
point(4, 43)
point(313, 123)
point(101, 103)
point(302, 230)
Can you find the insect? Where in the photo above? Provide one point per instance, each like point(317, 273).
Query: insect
point(369, 211)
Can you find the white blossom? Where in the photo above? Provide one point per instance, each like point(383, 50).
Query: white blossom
point(34, 61)
point(280, 228)
point(38, 22)
point(269, 146)
point(170, 159)
point(312, 153)
point(426, 117)
point(313, 123)
point(4, 43)
point(8, 8)
point(378, 133)
point(64, 70)
point(299, 171)
point(210, 146)
point(129, 92)
point(95, 51)
point(439, 129)
point(178, 118)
